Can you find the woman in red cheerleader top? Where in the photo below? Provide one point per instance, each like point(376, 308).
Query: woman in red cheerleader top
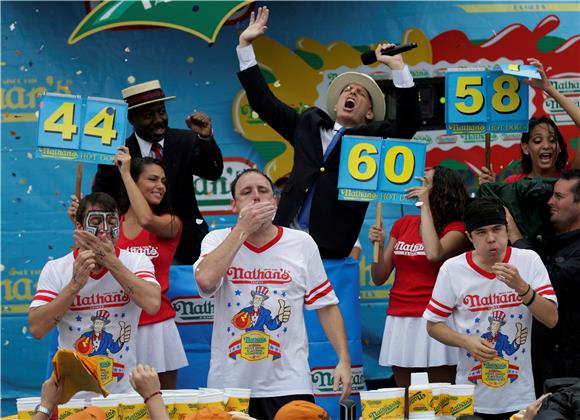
point(544, 150)
point(149, 227)
point(416, 248)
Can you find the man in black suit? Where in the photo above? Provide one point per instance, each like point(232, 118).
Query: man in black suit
point(355, 103)
point(184, 153)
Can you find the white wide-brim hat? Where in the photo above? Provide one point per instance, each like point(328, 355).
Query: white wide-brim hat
point(144, 94)
point(340, 82)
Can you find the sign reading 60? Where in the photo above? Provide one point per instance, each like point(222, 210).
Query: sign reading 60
point(373, 168)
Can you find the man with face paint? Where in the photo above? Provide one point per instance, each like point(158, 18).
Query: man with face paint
point(94, 286)
point(355, 106)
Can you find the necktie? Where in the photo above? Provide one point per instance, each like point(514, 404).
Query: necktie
point(304, 215)
point(156, 151)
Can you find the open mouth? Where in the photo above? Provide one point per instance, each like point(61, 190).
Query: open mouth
point(349, 104)
point(546, 157)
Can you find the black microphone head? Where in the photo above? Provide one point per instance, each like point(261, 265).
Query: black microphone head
point(368, 57)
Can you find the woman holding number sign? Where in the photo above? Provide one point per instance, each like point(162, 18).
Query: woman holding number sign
point(149, 227)
point(544, 150)
point(416, 247)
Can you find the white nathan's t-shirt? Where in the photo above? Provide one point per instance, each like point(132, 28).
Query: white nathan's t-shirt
point(251, 347)
point(482, 305)
point(99, 314)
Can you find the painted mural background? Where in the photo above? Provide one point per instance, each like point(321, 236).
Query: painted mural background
point(307, 44)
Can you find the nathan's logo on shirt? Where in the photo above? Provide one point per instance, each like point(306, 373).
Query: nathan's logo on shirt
point(193, 310)
point(149, 250)
point(498, 300)
point(323, 380)
point(259, 275)
point(100, 300)
point(403, 248)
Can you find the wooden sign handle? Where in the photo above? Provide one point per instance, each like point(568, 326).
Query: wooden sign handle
point(379, 222)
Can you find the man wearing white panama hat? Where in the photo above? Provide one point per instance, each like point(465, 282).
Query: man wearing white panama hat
point(184, 152)
point(355, 104)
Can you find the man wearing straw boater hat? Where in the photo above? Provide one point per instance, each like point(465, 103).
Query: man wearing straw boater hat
point(184, 152)
point(355, 106)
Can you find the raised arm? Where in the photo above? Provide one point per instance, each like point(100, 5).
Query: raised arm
point(566, 103)
point(381, 271)
point(408, 118)
point(146, 294)
point(42, 319)
point(165, 226)
point(333, 325)
point(274, 112)
point(215, 264)
point(208, 162)
point(436, 249)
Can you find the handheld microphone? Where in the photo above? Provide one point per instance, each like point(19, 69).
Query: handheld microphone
point(369, 57)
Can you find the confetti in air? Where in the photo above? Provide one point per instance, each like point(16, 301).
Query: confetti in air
point(131, 79)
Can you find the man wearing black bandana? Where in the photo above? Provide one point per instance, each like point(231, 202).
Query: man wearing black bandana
point(506, 286)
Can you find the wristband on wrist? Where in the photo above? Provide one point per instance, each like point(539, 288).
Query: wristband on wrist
point(531, 300)
point(41, 409)
point(151, 396)
point(526, 292)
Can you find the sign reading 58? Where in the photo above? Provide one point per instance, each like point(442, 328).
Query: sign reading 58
point(485, 102)
point(376, 169)
point(96, 125)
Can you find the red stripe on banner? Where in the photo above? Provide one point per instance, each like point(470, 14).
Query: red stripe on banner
point(320, 286)
point(437, 311)
point(319, 295)
point(441, 305)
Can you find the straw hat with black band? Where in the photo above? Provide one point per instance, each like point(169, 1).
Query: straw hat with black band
point(144, 94)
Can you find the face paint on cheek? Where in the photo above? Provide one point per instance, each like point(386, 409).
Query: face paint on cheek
point(102, 221)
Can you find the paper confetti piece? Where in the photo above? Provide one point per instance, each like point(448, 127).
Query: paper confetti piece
point(277, 84)
point(29, 189)
point(127, 50)
point(131, 79)
point(189, 60)
point(29, 155)
point(79, 72)
point(12, 26)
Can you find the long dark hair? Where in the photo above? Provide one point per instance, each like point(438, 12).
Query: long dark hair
point(561, 160)
point(137, 167)
point(447, 198)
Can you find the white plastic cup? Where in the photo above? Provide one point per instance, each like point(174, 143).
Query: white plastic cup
point(238, 399)
point(385, 403)
point(109, 404)
point(440, 401)
point(131, 406)
point(461, 401)
point(420, 398)
point(183, 403)
point(214, 399)
point(25, 407)
point(71, 407)
point(419, 378)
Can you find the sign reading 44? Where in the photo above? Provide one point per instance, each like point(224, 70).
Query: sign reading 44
point(72, 129)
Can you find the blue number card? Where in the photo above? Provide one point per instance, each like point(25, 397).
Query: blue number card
point(486, 101)
point(373, 169)
point(71, 128)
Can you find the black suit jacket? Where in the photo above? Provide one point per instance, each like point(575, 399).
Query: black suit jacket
point(184, 155)
point(334, 224)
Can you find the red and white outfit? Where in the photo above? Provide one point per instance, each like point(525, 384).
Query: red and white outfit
point(405, 339)
point(101, 299)
point(159, 343)
point(251, 347)
point(477, 301)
